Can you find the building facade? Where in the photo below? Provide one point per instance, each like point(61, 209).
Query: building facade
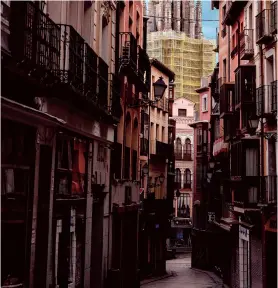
point(157, 177)
point(69, 76)
point(240, 178)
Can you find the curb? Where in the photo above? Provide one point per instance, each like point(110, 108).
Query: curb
point(147, 281)
point(214, 278)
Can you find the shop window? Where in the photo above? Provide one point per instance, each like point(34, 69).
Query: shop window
point(71, 167)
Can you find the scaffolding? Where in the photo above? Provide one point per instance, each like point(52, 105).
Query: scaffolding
point(190, 59)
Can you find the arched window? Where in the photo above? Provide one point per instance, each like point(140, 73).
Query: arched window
point(178, 148)
point(184, 205)
point(187, 149)
point(187, 178)
point(178, 176)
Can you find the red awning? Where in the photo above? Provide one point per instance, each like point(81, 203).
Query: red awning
point(219, 146)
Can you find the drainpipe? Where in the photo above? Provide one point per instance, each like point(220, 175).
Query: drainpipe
point(262, 165)
point(229, 55)
point(238, 43)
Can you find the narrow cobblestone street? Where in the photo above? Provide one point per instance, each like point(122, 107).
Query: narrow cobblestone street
point(184, 276)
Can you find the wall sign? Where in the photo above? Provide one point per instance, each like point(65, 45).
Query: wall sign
point(211, 216)
point(243, 233)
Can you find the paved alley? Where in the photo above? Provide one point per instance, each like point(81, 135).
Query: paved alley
point(184, 276)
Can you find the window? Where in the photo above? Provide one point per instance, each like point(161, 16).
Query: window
point(184, 205)
point(182, 112)
point(199, 136)
point(224, 69)
point(178, 148)
point(188, 146)
point(205, 103)
point(178, 175)
point(128, 197)
point(71, 167)
point(187, 179)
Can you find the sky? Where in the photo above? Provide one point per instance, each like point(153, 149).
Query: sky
point(209, 27)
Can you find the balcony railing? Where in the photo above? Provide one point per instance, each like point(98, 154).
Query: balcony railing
point(266, 99)
point(245, 85)
point(72, 58)
point(91, 73)
point(102, 100)
point(35, 39)
point(162, 149)
point(187, 185)
point(128, 51)
point(233, 8)
point(144, 146)
point(246, 44)
point(264, 26)
point(115, 103)
point(226, 99)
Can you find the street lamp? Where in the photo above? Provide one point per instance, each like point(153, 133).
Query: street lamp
point(145, 169)
point(211, 164)
point(253, 122)
point(159, 88)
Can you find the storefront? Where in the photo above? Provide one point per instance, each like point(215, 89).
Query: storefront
point(18, 168)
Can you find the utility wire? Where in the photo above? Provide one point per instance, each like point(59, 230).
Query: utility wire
point(181, 19)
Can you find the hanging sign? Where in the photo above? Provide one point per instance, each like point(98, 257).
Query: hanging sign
point(243, 233)
point(271, 224)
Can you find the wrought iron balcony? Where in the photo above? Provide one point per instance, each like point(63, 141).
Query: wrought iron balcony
point(71, 70)
point(143, 66)
point(115, 96)
point(91, 73)
point(246, 44)
point(266, 100)
point(102, 100)
point(160, 149)
point(226, 100)
point(234, 7)
point(187, 185)
point(34, 40)
point(128, 53)
point(264, 26)
point(245, 85)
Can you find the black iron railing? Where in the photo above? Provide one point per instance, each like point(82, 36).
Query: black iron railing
point(264, 26)
point(266, 99)
point(102, 99)
point(178, 154)
point(35, 38)
point(91, 73)
point(274, 96)
point(72, 57)
point(246, 44)
point(128, 50)
point(115, 107)
point(162, 149)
